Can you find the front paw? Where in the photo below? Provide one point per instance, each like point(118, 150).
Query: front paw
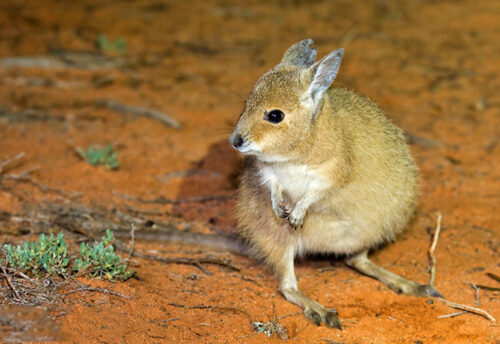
point(281, 209)
point(296, 218)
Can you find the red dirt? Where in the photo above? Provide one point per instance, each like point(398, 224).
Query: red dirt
point(433, 66)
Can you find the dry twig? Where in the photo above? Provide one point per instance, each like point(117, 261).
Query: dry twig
point(214, 307)
point(9, 161)
point(60, 59)
point(20, 274)
point(9, 282)
point(58, 315)
point(469, 309)
point(432, 267)
point(290, 315)
point(432, 270)
point(272, 326)
point(49, 289)
point(98, 290)
point(139, 111)
point(486, 287)
point(476, 303)
point(493, 276)
point(164, 200)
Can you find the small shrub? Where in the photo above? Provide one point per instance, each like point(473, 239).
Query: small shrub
point(118, 46)
point(100, 155)
point(101, 261)
point(48, 255)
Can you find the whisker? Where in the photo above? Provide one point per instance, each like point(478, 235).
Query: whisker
point(236, 94)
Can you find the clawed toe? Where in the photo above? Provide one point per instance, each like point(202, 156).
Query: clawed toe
point(415, 289)
point(332, 320)
point(313, 316)
point(329, 317)
point(283, 212)
point(295, 222)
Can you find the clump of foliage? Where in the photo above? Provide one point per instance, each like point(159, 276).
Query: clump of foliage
point(48, 255)
point(101, 261)
point(100, 155)
point(117, 46)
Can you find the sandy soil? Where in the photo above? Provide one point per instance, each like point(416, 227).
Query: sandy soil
point(432, 65)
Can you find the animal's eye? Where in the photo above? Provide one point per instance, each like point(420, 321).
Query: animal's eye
point(274, 116)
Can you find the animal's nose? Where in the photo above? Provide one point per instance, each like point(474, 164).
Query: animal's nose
point(237, 141)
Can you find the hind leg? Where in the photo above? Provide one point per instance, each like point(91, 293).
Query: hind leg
point(289, 288)
point(397, 283)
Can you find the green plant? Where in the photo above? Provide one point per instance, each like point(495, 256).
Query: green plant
point(100, 155)
point(111, 46)
point(48, 255)
point(101, 261)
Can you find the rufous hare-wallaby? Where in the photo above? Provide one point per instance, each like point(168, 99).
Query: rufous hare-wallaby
point(324, 171)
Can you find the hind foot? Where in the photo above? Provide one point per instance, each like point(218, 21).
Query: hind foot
point(320, 314)
point(407, 287)
point(397, 283)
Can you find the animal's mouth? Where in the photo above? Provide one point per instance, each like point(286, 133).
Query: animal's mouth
point(247, 149)
point(242, 144)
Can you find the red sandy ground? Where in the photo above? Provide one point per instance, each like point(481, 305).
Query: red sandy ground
point(432, 65)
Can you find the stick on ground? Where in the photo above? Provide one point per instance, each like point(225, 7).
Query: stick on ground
point(214, 307)
point(9, 161)
point(469, 309)
point(139, 111)
point(164, 200)
point(98, 290)
point(9, 282)
point(432, 267)
point(476, 303)
point(432, 270)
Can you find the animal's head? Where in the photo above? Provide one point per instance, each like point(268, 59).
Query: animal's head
point(283, 106)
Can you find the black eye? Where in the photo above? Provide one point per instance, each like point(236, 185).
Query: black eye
point(274, 116)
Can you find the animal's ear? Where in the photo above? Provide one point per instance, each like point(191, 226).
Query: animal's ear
point(322, 74)
point(301, 54)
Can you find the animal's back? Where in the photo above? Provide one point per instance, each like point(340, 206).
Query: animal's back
point(382, 192)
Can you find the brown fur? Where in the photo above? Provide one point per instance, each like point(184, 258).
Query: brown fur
point(372, 167)
point(349, 161)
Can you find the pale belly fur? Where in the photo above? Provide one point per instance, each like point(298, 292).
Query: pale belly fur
point(324, 231)
point(295, 180)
